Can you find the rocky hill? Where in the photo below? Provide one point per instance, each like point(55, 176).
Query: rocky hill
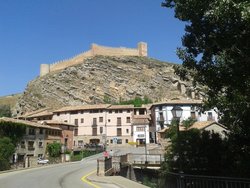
point(9, 100)
point(103, 78)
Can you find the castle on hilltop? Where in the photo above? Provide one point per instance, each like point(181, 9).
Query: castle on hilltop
point(95, 49)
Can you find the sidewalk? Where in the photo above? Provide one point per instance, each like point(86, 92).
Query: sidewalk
point(116, 180)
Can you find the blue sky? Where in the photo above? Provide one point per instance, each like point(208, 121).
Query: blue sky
point(33, 32)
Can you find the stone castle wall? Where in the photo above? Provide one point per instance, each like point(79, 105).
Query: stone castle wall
point(141, 50)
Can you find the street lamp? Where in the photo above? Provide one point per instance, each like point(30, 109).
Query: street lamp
point(177, 113)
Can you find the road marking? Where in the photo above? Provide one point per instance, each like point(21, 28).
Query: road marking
point(87, 181)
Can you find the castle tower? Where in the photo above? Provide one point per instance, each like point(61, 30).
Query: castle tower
point(44, 69)
point(143, 49)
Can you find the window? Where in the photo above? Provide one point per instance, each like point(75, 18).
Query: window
point(160, 108)
point(210, 116)
point(66, 121)
point(126, 140)
point(110, 111)
point(31, 131)
point(140, 128)
point(76, 121)
point(100, 119)
point(127, 130)
point(31, 145)
point(82, 120)
point(193, 115)
point(119, 121)
point(80, 143)
point(94, 122)
point(119, 141)
point(119, 132)
point(111, 141)
point(22, 144)
point(94, 111)
point(161, 118)
point(141, 112)
point(74, 112)
point(58, 114)
point(101, 130)
point(108, 120)
point(116, 111)
point(40, 131)
point(128, 111)
point(82, 111)
point(120, 111)
point(40, 144)
point(76, 132)
point(94, 131)
point(141, 135)
point(128, 120)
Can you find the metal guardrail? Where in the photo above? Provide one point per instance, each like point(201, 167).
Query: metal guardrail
point(175, 180)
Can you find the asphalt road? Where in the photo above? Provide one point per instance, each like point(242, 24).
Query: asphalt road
point(67, 175)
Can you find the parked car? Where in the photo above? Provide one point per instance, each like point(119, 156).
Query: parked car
point(42, 161)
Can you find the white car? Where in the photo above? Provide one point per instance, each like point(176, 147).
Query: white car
point(42, 161)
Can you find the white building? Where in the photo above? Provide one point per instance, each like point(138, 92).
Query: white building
point(162, 115)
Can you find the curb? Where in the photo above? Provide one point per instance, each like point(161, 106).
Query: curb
point(105, 182)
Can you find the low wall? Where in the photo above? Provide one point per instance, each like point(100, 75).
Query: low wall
point(104, 167)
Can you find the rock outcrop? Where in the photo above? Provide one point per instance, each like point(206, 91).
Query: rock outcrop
point(103, 78)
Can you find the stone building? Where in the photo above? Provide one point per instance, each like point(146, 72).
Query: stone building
point(35, 140)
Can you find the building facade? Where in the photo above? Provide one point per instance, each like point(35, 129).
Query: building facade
point(98, 124)
point(162, 116)
point(35, 139)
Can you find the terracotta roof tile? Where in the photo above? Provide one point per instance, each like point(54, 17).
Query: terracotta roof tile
point(178, 102)
point(204, 124)
point(83, 107)
point(33, 113)
point(28, 123)
point(55, 122)
point(121, 107)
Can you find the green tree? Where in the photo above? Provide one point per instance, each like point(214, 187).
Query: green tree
point(215, 53)
point(14, 131)
point(7, 149)
point(216, 57)
point(5, 111)
point(106, 99)
point(188, 122)
point(201, 153)
point(54, 149)
point(137, 101)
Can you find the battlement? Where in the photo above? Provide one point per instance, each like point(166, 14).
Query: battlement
point(95, 49)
